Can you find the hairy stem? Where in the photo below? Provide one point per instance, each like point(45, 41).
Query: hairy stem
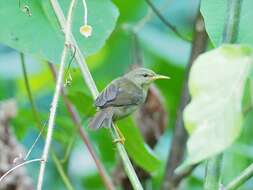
point(212, 180)
point(165, 21)
point(244, 176)
point(177, 150)
point(56, 97)
point(91, 85)
point(77, 121)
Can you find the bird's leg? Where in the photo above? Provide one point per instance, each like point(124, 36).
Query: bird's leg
point(121, 138)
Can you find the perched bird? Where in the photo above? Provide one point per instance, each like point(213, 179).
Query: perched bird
point(123, 96)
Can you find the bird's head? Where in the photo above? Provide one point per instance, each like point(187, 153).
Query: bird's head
point(144, 77)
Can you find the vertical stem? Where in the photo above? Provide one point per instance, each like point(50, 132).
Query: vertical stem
point(85, 12)
point(61, 172)
point(176, 154)
point(126, 161)
point(212, 176)
point(28, 89)
point(232, 21)
point(55, 98)
point(91, 85)
point(77, 121)
point(40, 127)
point(213, 167)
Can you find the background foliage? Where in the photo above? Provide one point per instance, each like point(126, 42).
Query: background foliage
point(110, 53)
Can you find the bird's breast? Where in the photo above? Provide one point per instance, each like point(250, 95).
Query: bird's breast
point(123, 111)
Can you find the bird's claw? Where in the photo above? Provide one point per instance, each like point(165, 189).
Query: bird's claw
point(119, 140)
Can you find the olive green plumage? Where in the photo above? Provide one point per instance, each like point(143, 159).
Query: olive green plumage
point(123, 96)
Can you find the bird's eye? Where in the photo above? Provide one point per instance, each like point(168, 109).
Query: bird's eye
point(145, 75)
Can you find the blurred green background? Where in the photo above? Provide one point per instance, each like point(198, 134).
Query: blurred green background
point(162, 51)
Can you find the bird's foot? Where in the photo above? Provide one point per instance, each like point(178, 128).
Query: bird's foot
point(119, 140)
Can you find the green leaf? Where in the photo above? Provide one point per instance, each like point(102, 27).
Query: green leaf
point(214, 116)
point(83, 103)
point(40, 35)
point(92, 182)
point(215, 12)
point(136, 147)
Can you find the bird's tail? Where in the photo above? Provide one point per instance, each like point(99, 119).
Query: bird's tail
point(103, 118)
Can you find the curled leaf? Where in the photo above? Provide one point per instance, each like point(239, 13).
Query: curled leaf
point(214, 116)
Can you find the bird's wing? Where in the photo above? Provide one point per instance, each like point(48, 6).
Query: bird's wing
point(121, 92)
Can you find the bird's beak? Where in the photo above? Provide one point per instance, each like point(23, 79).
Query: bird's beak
point(160, 77)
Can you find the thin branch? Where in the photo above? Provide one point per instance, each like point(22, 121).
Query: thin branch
point(78, 55)
point(177, 150)
point(18, 166)
point(244, 176)
point(40, 127)
point(229, 36)
point(62, 173)
point(28, 90)
point(232, 21)
point(34, 143)
point(77, 121)
point(212, 173)
point(85, 12)
point(68, 149)
point(31, 100)
point(56, 97)
point(165, 21)
point(91, 85)
point(212, 180)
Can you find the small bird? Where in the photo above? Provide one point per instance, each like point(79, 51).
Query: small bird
point(123, 96)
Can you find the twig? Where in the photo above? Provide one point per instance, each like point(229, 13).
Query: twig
point(77, 121)
point(31, 100)
point(85, 13)
point(28, 89)
point(18, 166)
point(126, 162)
point(244, 176)
point(177, 150)
point(68, 149)
point(91, 85)
point(35, 142)
point(56, 97)
point(40, 127)
point(61, 171)
point(165, 21)
point(229, 36)
point(78, 55)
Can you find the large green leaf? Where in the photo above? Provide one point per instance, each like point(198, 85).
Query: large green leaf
point(214, 116)
point(215, 12)
point(83, 103)
point(40, 35)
